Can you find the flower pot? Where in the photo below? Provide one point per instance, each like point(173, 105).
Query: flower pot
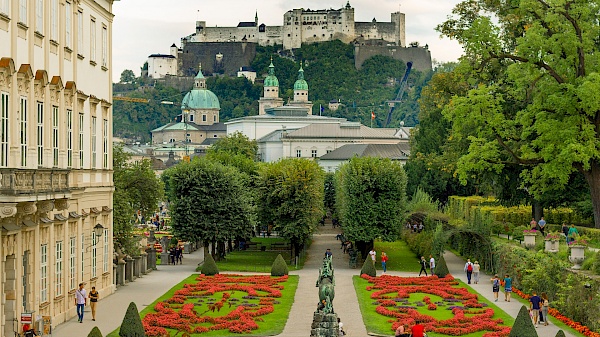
point(577, 256)
point(529, 240)
point(551, 246)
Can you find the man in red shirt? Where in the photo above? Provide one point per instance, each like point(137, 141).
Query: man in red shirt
point(418, 330)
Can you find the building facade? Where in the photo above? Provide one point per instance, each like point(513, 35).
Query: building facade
point(306, 26)
point(161, 65)
point(55, 156)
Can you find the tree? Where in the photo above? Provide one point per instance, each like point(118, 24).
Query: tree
point(95, 332)
point(290, 198)
point(279, 267)
point(209, 203)
point(534, 100)
point(523, 325)
point(371, 199)
point(236, 143)
point(127, 76)
point(132, 323)
point(136, 188)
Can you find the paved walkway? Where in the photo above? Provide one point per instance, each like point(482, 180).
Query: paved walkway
point(145, 290)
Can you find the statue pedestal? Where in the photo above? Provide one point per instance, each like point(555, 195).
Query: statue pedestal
point(324, 325)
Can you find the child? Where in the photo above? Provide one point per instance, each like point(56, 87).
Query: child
point(495, 287)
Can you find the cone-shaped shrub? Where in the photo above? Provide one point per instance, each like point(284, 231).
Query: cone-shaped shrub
point(523, 325)
point(95, 332)
point(441, 269)
point(560, 333)
point(209, 267)
point(132, 323)
point(368, 268)
point(279, 267)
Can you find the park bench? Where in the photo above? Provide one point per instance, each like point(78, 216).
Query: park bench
point(280, 246)
point(252, 246)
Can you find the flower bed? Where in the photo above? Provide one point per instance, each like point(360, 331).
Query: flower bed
point(467, 315)
point(233, 303)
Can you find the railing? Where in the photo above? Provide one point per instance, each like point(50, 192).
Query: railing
point(25, 181)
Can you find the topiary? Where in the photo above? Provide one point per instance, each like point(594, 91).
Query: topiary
point(523, 325)
point(279, 267)
point(560, 333)
point(368, 268)
point(95, 332)
point(209, 267)
point(132, 323)
point(441, 269)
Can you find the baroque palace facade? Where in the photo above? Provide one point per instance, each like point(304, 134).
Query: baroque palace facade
point(55, 157)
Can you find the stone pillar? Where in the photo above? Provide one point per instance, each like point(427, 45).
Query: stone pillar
point(115, 274)
point(129, 269)
point(187, 248)
point(151, 258)
point(324, 325)
point(121, 273)
point(144, 264)
point(137, 266)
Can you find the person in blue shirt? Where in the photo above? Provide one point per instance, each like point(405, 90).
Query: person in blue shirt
point(534, 307)
point(542, 225)
point(507, 287)
point(328, 253)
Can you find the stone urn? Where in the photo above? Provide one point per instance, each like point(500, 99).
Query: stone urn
point(529, 240)
point(551, 246)
point(577, 256)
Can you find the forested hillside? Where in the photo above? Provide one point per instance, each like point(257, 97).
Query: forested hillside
point(328, 69)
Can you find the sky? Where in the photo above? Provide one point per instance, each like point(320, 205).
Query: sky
point(144, 27)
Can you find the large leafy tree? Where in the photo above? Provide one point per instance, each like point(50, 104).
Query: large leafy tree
point(209, 203)
point(136, 188)
point(290, 197)
point(535, 99)
point(370, 200)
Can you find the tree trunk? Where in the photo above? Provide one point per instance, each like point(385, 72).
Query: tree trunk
point(206, 251)
point(592, 176)
point(537, 211)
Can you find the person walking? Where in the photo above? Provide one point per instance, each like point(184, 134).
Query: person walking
point(542, 225)
point(373, 255)
point(565, 230)
point(423, 266)
point(94, 297)
point(533, 224)
point(476, 268)
point(80, 301)
point(469, 270)
point(417, 330)
point(507, 287)
point(431, 264)
point(545, 306)
point(534, 307)
point(495, 287)
point(573, 233)
point(328, 253)
point(384, 259)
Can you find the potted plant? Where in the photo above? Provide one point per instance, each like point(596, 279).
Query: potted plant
point(552, 240)
point(578, 245)
point(529, 236)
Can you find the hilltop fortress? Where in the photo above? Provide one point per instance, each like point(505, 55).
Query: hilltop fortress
point(306, 26)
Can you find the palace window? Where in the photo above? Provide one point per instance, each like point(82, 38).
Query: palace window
point(68, 24)
point(5, 7)
point(94, 125)
point(44, 273)
point(104, 46)
point(4, 129)
point(94, 255)
point(59, 268)
point(93, 40)
point(80, 32)
point(313, 153)
point(55, 136)
point(54, 20)
point(23, 11)
point(298, 153)
point(105, 257)
point(39, 16)
point(72, 262)
point(105, 144)
point(81, 141)
point(69, 138)
point(23, 130)
point(40, 133)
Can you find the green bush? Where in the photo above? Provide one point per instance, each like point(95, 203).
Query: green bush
point(441, 269)
point(209, 267)
point(523, 325)
point(560, 333)
point(95, 332)
point(368, 268)
point(279, 267)
point(132, 323)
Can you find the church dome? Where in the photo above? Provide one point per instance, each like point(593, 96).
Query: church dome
point(200, 97)
point(271, 80)
point(301, 83)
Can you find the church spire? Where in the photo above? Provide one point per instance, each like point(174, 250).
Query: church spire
point(256, 17)
point(200, 81)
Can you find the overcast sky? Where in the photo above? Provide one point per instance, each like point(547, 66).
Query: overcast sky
point(144, 27)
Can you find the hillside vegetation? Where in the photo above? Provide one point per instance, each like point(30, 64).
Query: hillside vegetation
point(328, 69)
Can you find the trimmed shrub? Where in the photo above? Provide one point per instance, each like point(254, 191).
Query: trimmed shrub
point(132, 323)
point(560, 333)
point(279, 267)
point(95, 332)
point(441, 269)
point(209, 267)
point(368, 268)
point(523, 325)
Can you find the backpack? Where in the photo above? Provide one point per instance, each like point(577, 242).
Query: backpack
point(470, 267)
point(496, 283)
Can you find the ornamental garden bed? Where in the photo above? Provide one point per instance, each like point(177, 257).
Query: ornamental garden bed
point(222, 305)
point(442, 305)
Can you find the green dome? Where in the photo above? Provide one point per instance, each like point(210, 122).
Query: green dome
point(200, 99)
point(271, 80)
point(301, 83)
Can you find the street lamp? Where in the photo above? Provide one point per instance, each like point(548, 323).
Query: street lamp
point(98, 231)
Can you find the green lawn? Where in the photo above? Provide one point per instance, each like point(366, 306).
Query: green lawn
point(401, 258)
point(273, 323)
point(257, 261)
point(379, 324)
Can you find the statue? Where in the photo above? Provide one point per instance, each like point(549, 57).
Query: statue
point(326, 283)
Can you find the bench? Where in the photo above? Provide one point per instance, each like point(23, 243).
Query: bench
point(280, 246)
point(252, 246)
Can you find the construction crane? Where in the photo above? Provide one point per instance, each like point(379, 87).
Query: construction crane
point(398, 99)
point(130, 99)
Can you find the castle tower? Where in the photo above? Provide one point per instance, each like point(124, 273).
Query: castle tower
point(301, 92)
point(270, 98)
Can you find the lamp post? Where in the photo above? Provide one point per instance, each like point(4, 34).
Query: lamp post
point(98, 231)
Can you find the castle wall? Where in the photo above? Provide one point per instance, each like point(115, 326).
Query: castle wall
point(419, 56)
point(234, 56)
point(225, 34)
point(271, 36)
point(377, 30)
